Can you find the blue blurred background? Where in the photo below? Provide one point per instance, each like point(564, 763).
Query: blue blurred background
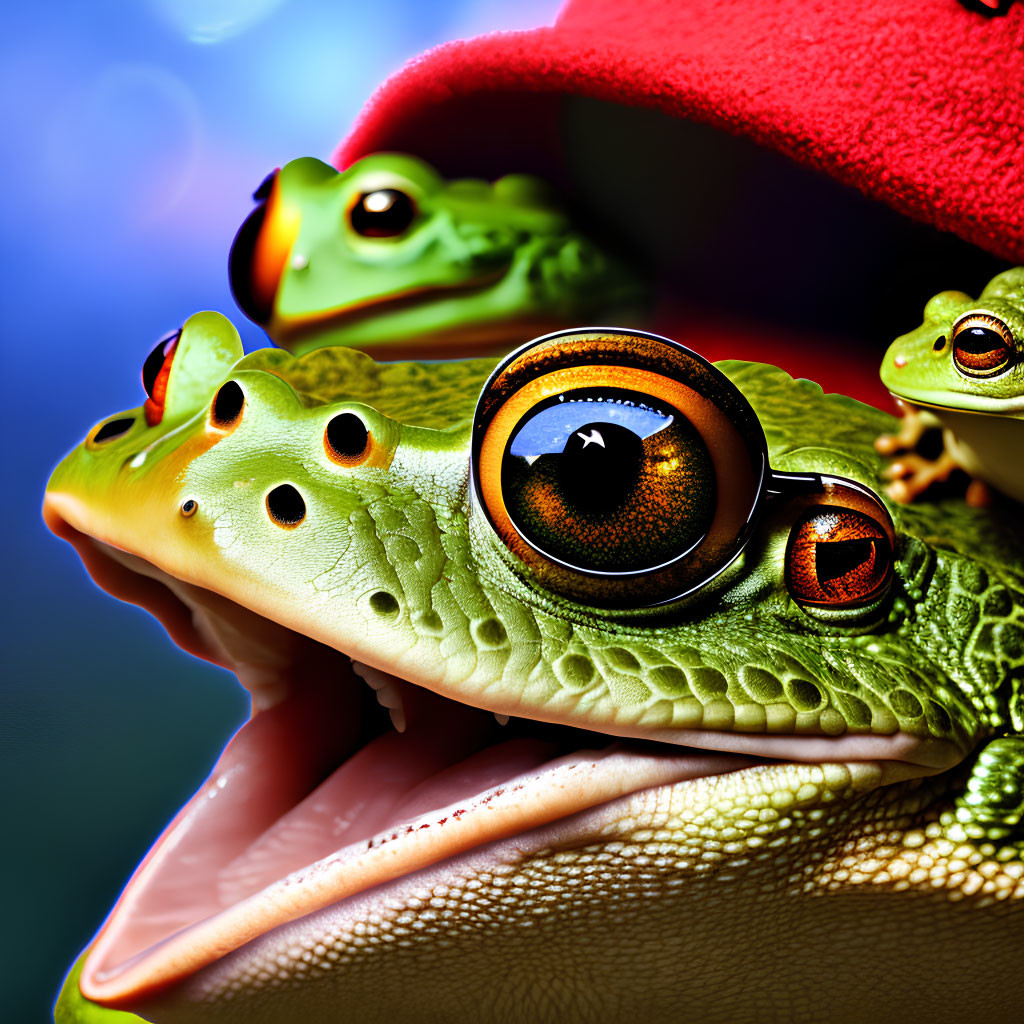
point(134, 132)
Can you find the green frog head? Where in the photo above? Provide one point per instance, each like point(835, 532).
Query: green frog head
point(387, 255)
point(652, 649)
point(962, 371)
point(967, 354)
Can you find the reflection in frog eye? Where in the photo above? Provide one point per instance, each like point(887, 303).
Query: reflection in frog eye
point(982, 345)
point(383, 213)
point(620, 468)
point(840, 552)
point(155, 372)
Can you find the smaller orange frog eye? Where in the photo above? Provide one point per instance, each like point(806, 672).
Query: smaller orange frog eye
point(982, 345)
point(155, 372)
point(838, 558)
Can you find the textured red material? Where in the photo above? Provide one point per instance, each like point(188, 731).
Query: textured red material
point(919, 104)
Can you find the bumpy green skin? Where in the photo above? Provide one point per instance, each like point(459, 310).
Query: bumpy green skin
point(982, 418)
point(483, 267)
point(393, 558)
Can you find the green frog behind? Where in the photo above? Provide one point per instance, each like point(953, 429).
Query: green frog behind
point(962, 371)
point(390, 257)
point(810, 739)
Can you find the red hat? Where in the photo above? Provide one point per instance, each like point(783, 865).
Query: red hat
point(918, 103)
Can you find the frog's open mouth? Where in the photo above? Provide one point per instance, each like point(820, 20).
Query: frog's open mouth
point(317, 798)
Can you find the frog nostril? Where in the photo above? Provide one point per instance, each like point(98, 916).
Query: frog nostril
point(940, 343)
point(347, 440)
point(227, 406)
point(285, 505)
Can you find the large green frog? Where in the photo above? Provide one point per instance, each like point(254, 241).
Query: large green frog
point(961, 371)
point(576, 696)
point(388, 256)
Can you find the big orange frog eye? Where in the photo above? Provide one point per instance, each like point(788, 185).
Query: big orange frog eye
point(982, 345)
point(155, 372)
point(621, 468)
point(840, 555)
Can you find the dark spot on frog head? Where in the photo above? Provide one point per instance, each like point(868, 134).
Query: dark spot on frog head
point(347, 440)
point(384, 604)
point(285, 505)
point(113, 428)
point(228, 403)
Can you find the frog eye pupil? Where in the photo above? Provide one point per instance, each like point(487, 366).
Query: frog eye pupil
point(600, 465)
point(980, 351)
point(838, 557)
point(112, 429)
point(227, 406)
point(383, 213)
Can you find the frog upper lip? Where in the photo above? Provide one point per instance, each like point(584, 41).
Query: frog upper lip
point(315, 800)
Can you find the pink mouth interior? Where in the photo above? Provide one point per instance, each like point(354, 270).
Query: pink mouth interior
point(292, 788)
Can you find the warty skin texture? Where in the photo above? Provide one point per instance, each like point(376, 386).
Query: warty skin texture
point(769, 893)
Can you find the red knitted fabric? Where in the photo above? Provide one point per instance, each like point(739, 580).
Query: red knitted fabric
point(916, 102)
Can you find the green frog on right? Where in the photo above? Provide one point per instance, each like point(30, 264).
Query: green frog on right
point(961, 371)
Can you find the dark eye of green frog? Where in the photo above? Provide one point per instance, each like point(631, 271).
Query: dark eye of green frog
point(982, 346)
point(112, 429)
point(604, 481)
point(383, 213)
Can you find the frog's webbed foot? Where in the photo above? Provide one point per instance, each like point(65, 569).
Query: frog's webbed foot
point(991, 807)
point(913, 474)
point(913, 427)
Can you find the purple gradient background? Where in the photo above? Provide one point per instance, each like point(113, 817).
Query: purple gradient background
point(134, 133)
